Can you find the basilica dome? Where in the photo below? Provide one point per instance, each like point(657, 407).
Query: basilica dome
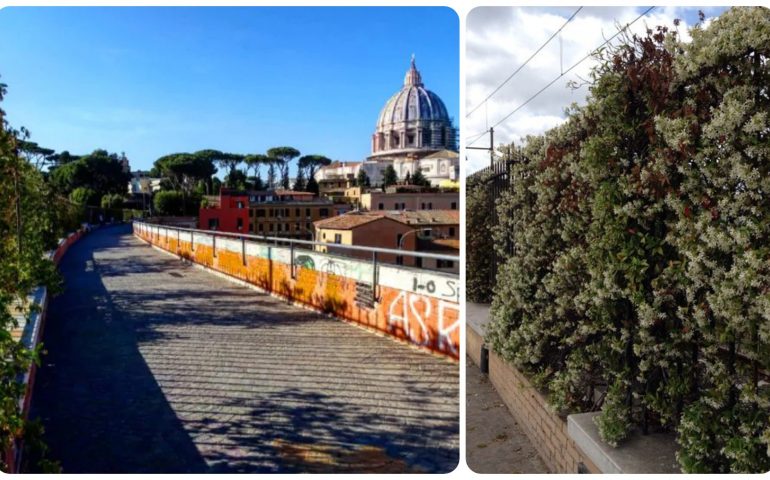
point(413, 122)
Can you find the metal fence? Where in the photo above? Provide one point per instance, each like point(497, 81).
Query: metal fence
point(496, 180)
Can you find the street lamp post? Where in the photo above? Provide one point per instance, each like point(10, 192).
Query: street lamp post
point(401, 242)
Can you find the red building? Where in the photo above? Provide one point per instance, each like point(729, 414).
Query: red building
point(230, 214)
point(279, 213)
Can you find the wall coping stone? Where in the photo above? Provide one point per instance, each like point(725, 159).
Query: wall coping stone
point(477, 317)
point(651, 453)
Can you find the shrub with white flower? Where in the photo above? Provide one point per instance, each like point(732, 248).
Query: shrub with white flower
point(640, 279)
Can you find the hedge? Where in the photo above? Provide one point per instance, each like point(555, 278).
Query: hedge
point(640, 279)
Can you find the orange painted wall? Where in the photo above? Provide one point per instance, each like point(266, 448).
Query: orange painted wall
point(426, 321)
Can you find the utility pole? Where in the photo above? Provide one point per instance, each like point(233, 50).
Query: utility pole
point(491, 147)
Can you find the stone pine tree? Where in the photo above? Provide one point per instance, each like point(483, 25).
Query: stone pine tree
point(283, 157)
point(255, 162)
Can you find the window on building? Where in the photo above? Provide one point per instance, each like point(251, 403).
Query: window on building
point(239, 204)
point(270, 213)
point(324, 235)
point(260, 212)
point(337, 238)
point(285, 212)
point(260, 227)
point(307, 212)
point(445, 264)
point(323, 212)
point(239, 224)
point(399, 260)
point(251, 228)
point(418, 262)
point(454, 206)
point(309, 227)
point(296, 212)
point(430, 205)
point(213, 223)
point(270, 227)
point(451, 231)
point(381, 206)
point(251, 213)
point(398, 240)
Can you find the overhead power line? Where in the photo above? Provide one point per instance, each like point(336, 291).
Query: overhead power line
point(523, 64)
point(566, 72)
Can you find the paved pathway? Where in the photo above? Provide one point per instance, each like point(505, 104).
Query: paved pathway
point(495, 442)
point(157, 366)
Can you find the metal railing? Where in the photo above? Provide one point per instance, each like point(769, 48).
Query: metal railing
point(292, 244)
point(283, 241)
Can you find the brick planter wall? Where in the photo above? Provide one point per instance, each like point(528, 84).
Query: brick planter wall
point(545, 428)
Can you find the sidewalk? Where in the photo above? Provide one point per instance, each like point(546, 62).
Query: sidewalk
point(495, 442)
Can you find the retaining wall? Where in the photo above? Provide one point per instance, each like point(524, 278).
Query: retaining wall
point(545, 428)
point(418, 306)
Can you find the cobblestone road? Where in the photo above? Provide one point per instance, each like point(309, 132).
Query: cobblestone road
point(157, 366)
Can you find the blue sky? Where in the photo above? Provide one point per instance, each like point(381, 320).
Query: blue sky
point(152, 81)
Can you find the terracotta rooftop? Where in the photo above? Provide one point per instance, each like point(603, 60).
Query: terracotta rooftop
point(425, 217)
point(348, 221)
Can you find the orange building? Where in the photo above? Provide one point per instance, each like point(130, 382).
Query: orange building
point(427, 231)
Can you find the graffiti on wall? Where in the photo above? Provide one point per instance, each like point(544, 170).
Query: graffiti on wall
point(443, 288)
point(413, 313)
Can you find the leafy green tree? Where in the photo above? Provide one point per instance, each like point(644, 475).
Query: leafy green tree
point(419, 179)
point(255, 162)
point(169, 203)
point(257, 183)
point(236, 179)
point(389, 176)
point(185, 170)
point(312, 186)
point(227, 161)
point(299, 182)
point(216, 185)
point(25, 235)
point(272, 174)
point(110, 201)
point(283, 157)
point(34, 153)
point(362, 179)
point(100, 171)
point(85, 196)
point(311, 163)
point(478, 238)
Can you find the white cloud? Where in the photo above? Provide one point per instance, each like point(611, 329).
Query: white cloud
point(500, 39)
